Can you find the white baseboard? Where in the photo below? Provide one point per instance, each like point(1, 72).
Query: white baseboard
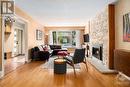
point(28, 61)
point(1, 74)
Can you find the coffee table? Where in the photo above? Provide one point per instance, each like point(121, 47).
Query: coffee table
point(60, 66)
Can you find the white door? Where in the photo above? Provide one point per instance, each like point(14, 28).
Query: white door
point(18, 40)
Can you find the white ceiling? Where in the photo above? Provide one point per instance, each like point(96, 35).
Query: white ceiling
point(62, 12)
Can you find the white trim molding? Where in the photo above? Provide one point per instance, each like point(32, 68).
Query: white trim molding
point(1, 74)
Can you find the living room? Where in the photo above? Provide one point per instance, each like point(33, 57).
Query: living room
point(47, 37)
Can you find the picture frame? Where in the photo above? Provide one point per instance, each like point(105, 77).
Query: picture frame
point(39, 34)
point(126, 27)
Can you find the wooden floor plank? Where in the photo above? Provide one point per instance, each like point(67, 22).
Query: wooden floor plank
point(13, 63)
point(32, 75)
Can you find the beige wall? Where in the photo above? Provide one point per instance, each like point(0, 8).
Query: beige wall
point(32, 26)
point(47, 28)
point(122, 7)
point(87, 27)
point(31, 30)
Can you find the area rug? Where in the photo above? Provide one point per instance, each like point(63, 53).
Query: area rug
point(50, 64)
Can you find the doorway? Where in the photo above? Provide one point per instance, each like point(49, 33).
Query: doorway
point(15, 46)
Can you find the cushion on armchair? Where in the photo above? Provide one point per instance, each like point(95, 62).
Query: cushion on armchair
point(40, 48)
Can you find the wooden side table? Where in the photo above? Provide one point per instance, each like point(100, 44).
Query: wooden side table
point(60, 66)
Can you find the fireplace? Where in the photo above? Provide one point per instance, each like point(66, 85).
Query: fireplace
point(97, 51)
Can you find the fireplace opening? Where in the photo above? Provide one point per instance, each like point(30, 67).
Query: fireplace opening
point(97, 51)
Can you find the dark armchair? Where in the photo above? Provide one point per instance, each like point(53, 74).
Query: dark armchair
point(78, 57)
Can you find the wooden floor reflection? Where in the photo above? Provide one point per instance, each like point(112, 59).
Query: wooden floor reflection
point(32, 75)
point(13, 63)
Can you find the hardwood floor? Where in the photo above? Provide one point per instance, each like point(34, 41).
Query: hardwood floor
point(32, 75)
point(13, 63)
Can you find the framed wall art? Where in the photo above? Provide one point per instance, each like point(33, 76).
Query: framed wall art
point(39, 35)
point(126, 27)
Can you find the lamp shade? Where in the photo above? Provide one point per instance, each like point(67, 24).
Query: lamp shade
point(86, 38)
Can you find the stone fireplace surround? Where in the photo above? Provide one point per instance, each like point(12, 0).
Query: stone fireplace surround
point(97, 59)
point(102, 32)
point(99, 34)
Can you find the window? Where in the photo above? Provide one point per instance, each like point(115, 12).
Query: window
point(64, 38)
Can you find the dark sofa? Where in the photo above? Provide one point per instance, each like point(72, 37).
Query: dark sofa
point(36, 54)
point(56, 48)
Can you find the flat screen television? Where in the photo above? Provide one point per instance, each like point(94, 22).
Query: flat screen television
point(86, 37)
